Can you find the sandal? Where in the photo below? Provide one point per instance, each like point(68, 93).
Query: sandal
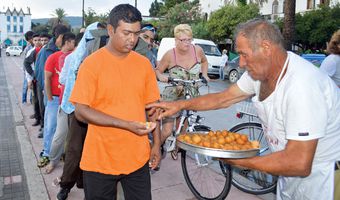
point(49, 168)
point(43, 161)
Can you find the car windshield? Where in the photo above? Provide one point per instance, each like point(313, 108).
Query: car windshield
point(210, 50)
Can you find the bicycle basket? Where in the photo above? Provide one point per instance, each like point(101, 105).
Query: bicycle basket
point(247, 107)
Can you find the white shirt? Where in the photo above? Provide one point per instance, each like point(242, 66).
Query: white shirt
point(304, 106)
point(331, 65)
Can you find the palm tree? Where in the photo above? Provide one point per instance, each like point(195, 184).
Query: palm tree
point(289, 23)
point(60, 14)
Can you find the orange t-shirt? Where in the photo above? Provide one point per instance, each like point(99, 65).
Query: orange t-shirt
point(120, 87)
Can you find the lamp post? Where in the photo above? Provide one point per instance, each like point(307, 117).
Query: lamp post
point(83, 16)
point(136, 3)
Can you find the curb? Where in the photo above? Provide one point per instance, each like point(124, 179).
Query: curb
point(35, 181)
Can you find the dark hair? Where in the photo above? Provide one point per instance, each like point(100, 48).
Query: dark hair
point(46, 35)
point(59, 29)
point(36, 35)
point(68, 37)
point(79, 36)
point(29, 35)
point(125, 13)
point(101, 25)
point(256, 30)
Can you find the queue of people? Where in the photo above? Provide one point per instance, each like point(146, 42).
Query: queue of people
point(83, 86)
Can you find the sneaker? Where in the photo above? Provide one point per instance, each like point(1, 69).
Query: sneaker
point(44, 160)
point(63, 193)
point(41, 135)
point(36, 123)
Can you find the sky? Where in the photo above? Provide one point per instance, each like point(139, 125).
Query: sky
point(45, 8)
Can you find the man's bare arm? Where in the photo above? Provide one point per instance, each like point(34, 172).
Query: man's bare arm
point(89, 115)
point(295, 160)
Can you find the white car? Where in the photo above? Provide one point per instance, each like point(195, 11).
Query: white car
point(13, 51)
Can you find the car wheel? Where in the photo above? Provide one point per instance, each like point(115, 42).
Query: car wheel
point(7, 54)
point(233, 76)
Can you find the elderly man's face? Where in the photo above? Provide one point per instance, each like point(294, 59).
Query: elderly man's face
point(148, 37)
point(255, 62)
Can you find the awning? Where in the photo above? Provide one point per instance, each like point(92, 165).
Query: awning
point(8, 42)
point(22, 42)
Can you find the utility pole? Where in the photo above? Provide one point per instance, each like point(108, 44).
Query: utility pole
point(136, 3)
point(83, 17)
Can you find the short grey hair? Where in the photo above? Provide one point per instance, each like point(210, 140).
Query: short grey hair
point(256, 30)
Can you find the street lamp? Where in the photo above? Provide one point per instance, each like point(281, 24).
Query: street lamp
point(83, 17)
point(136, 3)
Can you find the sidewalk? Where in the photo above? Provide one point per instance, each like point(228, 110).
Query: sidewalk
point(167, 184)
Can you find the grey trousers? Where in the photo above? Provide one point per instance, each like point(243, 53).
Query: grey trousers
point(59, 138)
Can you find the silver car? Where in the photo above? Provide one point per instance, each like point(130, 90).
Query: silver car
point(232, 70)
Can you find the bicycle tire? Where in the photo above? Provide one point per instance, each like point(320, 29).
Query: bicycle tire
point(253, 181)
point(206, 182)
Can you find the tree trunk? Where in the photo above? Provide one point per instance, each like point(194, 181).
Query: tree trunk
point(289, 23)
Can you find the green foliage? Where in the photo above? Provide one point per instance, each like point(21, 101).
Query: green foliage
point(168, 4)
point(200, 30)
point(223, 22)
point(91, 16)
point(183, 13)
point(155, 8)
point(40, 28)
point(315, 28)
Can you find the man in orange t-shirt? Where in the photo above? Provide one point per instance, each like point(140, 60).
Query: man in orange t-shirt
point(113, 86)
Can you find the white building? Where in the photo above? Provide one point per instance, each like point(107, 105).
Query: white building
point(273, 9)
point(270, 8)
point(13, 24)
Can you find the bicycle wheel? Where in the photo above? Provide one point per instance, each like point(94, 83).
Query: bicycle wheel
point(253, 181)
point(207, 179)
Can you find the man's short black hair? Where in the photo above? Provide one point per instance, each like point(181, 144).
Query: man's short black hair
point(36, 35)
point(29, 35)
point(125, 13)
point(59, 29)
point(79, 36)
point(45, 35)
point(68, 37)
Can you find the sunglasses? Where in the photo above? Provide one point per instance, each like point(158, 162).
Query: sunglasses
point(150, 28)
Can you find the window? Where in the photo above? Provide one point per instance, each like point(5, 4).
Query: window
point(8, 28)
point(14, 19)
point(8, 18)
point(21, 19)
point(14, 29)
point(310, 4)
point(21, 29)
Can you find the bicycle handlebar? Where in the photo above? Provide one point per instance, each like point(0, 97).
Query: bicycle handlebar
point(181, 81)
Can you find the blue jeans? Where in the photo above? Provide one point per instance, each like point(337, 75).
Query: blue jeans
point(24, 90)
point(50, 123)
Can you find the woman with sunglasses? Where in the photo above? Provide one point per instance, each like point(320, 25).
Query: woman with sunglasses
point(186, 61)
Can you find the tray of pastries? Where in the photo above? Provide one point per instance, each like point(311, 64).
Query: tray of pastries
point(218, 144)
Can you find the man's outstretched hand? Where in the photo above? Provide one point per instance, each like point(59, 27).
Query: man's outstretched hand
point(164, 109)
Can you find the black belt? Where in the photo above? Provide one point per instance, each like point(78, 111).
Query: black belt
point(337, 165)
point(55, 95)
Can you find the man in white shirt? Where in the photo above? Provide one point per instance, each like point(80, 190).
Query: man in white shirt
point(298, 106)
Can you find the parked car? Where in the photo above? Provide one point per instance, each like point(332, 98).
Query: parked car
point(210, 49)
point(232, 70)
point(14, 51)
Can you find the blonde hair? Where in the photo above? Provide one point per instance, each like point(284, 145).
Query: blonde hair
point(182, 28)
point(333, 43)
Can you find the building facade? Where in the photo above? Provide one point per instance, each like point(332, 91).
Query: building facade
point(13, 24)
point(271, 9)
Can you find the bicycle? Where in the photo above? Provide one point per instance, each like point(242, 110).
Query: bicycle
point(206, 178)
point(246, 180)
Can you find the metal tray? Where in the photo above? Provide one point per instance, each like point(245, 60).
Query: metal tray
point(218, 153)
